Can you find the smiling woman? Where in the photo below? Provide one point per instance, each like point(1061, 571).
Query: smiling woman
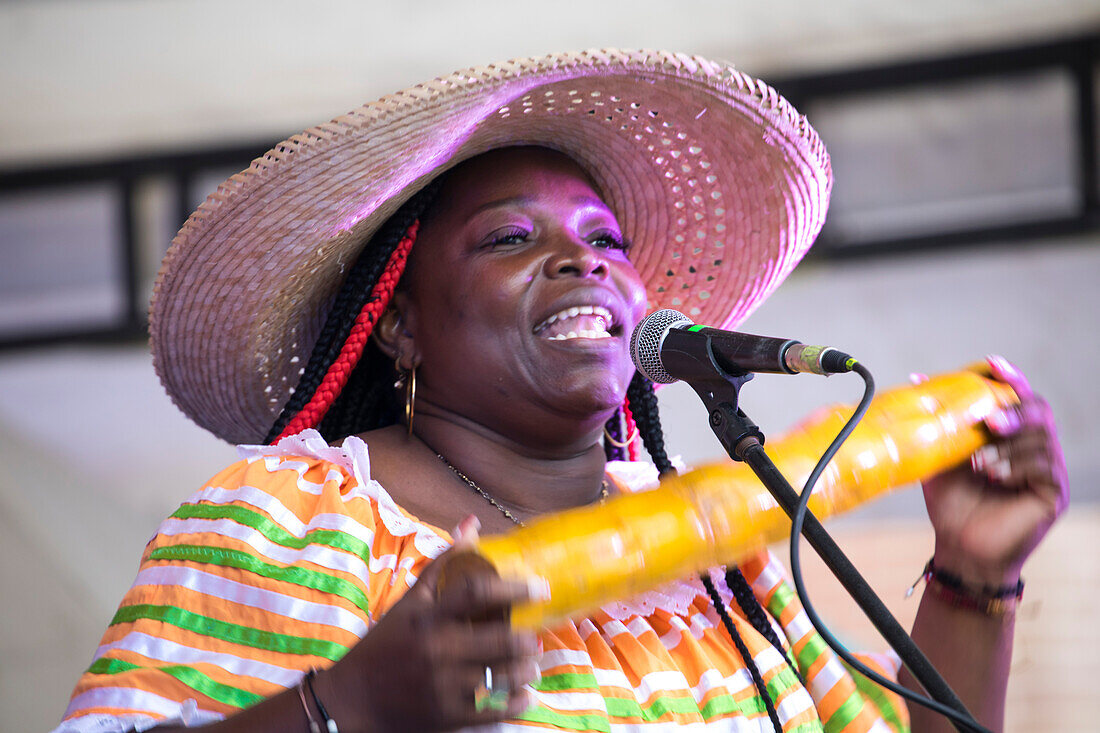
point(485, 278)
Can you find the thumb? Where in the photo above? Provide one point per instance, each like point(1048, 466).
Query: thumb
point(465, 536)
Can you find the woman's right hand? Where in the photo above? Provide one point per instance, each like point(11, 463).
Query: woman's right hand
point(422, 666)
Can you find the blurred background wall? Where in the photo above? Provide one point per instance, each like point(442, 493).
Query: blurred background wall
point(961, 226)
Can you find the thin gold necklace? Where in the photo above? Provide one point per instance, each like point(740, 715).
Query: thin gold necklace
point(604, 490)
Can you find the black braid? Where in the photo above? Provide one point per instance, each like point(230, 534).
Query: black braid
point(743, 650)
point(643, 404)
point(754, 612)
point(614, 428)
point(367, 401)
point(349, 301)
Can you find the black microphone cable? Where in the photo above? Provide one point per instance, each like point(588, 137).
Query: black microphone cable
point(827, 636)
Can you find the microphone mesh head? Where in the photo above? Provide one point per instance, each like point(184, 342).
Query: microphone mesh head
point(645, 343)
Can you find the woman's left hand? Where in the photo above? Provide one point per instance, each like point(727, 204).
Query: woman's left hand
point(991, 513)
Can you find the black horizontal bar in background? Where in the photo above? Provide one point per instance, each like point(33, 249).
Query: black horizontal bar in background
point(1078, 56)
point(180, 162)
point(955, 67)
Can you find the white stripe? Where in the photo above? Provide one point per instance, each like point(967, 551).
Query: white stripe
point(796, 703)
point(249, 595)
point(140, 700)
point(799, 626)
point(613, 628)
point(674, 635)
point(558, 657)
point(283, 516)
point(571, 700)
point(103, 723)
point(712, 679)
point(639, 626)
point(321, 555)
point(656, 683)
point(698, 623)
point(880, 727)
point(164, 650)
point(769, 577)
point(826, 678)
point(587, 628)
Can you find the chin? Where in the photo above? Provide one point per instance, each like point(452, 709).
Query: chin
point(592, 400)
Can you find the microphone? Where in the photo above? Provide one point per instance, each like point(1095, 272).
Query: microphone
point(667, 346)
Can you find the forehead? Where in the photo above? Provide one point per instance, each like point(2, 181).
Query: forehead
point(512, 174)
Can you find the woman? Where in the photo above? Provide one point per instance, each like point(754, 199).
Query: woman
point(460, 247)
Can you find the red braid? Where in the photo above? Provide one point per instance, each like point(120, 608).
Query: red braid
point(631, 432)
point(337, 375)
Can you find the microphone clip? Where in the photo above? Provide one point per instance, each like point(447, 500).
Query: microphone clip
point(719, 390)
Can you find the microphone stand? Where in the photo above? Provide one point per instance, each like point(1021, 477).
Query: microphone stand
point(743, 441)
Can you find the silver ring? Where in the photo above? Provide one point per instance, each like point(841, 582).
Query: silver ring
point(490, 697)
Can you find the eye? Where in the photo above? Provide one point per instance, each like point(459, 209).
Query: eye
point(609, 239)
point(507, 236)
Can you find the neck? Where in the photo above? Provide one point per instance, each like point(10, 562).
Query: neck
point(526, 479)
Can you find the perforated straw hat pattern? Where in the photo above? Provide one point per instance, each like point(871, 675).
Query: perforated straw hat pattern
point(719, 182)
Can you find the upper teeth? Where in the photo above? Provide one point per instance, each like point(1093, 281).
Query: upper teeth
point(580, 310)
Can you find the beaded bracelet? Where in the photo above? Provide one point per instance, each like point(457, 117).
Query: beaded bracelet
point(991, 601)
point(307, 682)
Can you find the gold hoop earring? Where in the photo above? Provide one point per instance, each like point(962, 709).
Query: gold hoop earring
point(410, 400)
point(407, 378)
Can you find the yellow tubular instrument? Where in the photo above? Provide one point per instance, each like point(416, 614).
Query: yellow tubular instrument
point(719, 514)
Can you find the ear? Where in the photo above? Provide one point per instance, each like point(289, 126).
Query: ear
point(392, 333)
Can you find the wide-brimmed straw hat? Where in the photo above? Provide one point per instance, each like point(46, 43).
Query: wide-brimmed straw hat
point(719, 182)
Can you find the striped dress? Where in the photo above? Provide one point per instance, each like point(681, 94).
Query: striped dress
point(285, 559)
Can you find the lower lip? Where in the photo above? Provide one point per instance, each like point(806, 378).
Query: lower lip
point(585, 343)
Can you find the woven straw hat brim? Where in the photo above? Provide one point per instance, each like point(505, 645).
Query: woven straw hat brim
point(718, 181)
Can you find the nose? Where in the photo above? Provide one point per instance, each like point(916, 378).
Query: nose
point(576, 258)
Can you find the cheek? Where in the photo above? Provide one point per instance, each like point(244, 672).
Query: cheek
point(634, 291)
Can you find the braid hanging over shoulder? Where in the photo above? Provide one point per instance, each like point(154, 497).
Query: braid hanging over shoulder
point(360, 301)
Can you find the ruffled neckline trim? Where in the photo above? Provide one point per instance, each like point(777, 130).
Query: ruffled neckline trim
point(353, 457)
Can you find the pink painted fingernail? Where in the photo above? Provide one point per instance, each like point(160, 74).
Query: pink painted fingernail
point(1003, 367)
point(1003, 422)
point(917, 378)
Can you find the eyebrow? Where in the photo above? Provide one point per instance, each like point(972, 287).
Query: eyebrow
point(523, 200)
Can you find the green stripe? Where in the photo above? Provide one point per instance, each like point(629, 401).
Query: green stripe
point(581, 721)
point(288, 574)
point(881, 700)
point(781, 682)
point(619, 707)
point(234, 633)
point(726, 704)
point(273, 531)
point(194, 679)
point(781, 598)
point(569, 682)
point(846, 713)
point(813, 648)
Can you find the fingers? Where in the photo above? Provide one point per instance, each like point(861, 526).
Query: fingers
point(471, 589)
point(1030, 459)
point(1008, 373)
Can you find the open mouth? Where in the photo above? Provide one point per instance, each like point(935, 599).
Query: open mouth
point(579, 322)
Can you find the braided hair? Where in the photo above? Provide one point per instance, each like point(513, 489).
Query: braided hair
point(341, 393)
point(643, 404)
